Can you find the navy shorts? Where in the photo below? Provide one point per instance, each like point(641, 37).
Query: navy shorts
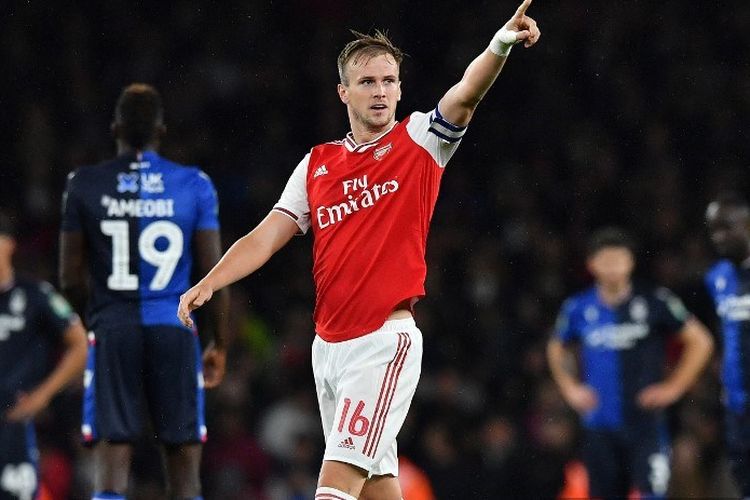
point(134, 372)
point(738, 445)
point(618, 462)
point(18, 461)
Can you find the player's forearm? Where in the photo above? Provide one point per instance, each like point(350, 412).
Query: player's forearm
point(251, 251)
point(244, 257)
point(478, 78)
point(557, 358)
point(697, 350)
point(459, 103)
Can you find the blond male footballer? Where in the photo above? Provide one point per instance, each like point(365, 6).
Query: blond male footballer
point(369, 199)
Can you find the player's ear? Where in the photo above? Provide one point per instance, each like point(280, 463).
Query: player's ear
point(591, 265)
point(399, 91)
point(343, 93)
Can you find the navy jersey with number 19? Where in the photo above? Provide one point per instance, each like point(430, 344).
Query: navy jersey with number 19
point(139, 214)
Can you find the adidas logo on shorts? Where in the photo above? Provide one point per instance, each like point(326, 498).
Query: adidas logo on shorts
point(321, 170)
point(347, 443)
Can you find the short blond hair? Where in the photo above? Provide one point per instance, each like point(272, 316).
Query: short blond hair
point(367, 46)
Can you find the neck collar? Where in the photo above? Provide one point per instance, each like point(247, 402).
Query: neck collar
point(353, 147)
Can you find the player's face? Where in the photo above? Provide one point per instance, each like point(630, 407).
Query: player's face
point(729, 231)
point(612, 266)
point(372, 92)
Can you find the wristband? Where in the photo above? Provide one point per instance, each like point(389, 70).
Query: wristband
point(502, 42)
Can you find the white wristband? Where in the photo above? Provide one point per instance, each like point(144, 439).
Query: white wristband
point(502, 42)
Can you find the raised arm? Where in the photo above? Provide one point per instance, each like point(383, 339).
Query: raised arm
point(459, 103)
point(244, 257)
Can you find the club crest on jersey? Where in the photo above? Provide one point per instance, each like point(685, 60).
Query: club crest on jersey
point(15, 321)
point(720, 283)
point(17, 303)
point(638, 309)
point(379, 153)
point(591, 314)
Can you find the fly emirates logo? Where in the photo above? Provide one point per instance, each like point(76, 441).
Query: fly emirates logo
point(359, 196)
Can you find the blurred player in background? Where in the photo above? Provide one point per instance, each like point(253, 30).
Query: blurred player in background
point(728, 282)
point(621, 329)
point(369, 199)
point(132, 227)
point(34, 322)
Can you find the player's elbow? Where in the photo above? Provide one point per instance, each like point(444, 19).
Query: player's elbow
point(707, 341)
point(700, 338)
point(464, 106)
point(77, 344)
point(470, 101)
point(554, 352)
point(459, 104)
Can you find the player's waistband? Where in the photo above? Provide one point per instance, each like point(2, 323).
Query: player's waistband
point(397, 325)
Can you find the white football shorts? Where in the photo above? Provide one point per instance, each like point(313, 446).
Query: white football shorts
point(365, 387)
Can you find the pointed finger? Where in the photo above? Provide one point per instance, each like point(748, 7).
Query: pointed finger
point(522, 8)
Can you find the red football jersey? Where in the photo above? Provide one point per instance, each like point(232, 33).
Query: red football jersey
point(370, 207)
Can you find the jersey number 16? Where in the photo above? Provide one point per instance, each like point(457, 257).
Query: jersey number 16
point(165, 260)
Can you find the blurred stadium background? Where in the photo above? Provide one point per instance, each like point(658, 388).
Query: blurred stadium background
point(630, 113)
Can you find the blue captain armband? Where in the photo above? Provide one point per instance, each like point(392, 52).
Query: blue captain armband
point(445, 129)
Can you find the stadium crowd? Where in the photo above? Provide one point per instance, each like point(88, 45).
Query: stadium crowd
point(629, 113)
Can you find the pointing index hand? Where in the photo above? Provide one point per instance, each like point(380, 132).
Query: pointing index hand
point(521, 11)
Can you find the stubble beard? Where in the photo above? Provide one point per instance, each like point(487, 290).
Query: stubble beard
point(371, 124)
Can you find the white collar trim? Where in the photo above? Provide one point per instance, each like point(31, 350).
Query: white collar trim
point(353, 147)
